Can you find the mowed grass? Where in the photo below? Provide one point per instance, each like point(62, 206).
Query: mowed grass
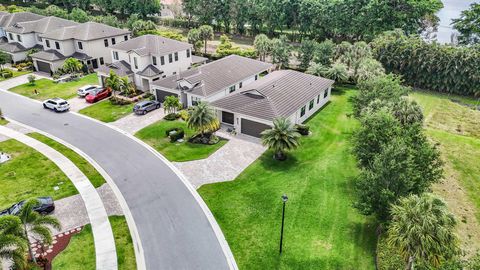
point(155, 136)
point(80, 252)
point(107, 112)
point(92, 174)
point(48, 89)
point(322, 229)
point(15, 74)
point(3, 122)
point(30, 174)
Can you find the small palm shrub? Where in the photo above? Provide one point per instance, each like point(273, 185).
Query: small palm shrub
point(282, 137)
point(302, 129)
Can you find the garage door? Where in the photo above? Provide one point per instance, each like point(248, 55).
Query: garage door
point(162, 94)
point(227, 117)
point(43, 67)
point(253, 128)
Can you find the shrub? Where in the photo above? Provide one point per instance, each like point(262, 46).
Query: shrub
point(207, 138)
point(184, 114)
point(175, 134)
point(31, 79)
point(7, 73)
point(19, 68)
point(171, 117)
point(303, 129)
point(119, 101)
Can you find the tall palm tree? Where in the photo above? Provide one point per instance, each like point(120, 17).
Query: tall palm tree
point(113, 82)
point(317, 69)
point(37, 225)
point(422, 228)
point(337, 72)
point(203, 119)
point(13, 246)
point(171, 103)
point(263, 46)
point(281, 138)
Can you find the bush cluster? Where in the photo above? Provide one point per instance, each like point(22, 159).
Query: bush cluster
point(175, 134)
point(302, 129)
point(171, 117)
point(6, 73)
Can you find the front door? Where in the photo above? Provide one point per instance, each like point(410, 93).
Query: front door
point(95, 63)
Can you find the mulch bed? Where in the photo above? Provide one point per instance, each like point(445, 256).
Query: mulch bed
point(60, 242)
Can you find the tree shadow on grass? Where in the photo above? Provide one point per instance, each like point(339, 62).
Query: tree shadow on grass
point(269, 163)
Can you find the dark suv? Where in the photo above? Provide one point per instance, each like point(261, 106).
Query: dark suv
point(45, 206)
point(145, 106)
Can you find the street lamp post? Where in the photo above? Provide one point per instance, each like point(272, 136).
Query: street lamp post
point(284, 199)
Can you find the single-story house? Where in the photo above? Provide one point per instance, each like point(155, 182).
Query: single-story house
point(211, 81)
point(284, 93)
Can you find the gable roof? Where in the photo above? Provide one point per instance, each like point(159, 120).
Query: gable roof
point(279, 94)
point(152, 44)
point(150, 71)
point(12, 47)
point(41, 26)
point(9, 19)
point(215, 76)
point(85, 31)
point(121, 68)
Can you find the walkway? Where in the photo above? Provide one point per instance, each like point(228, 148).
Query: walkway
point(133, 123)
point(226, 163)
point(12, 82)
point(105, 251)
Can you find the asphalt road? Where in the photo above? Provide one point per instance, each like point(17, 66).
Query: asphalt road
point(174, 230)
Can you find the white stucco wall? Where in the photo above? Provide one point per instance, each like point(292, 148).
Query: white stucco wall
point(19, 56)
point(28, 40)
point(296, 118)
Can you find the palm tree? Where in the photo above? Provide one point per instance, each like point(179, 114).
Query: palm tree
point(407, 111)
point(203, 119)
point(369, 68)
point(72, 65)
point(37, 225)
point(422, 229)
point(337, 72)
point(317, 69)
point(281, 138)
point(113, 82)
point(263, 46)
point(13, 246)
point(171, 103)
point(206, 33)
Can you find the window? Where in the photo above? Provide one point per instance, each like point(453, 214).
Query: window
point(125, 37)
point(115, 55)
point(154, 60)
point(80, 45)
point(113, 41)
point(310, 106)
point(39, 38)
point(174, 73)
point(135, 62)
point(47, 42)
point(325, 94)
point(19, 38)
point(10, 35)
point(302, 111)
point(176, 56)
point(318, 99)
point(188, 53)
point(170, 58)
point(105, 41)
point(256, 77)
point(162, 60)
point(232, 89)
point(57, 45)
point(240, 85)
point(156, 79)
point(101, 61)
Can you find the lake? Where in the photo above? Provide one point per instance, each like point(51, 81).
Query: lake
point(451, 10)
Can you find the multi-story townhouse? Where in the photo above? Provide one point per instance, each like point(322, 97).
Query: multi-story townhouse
point(146, 59)
point(14, 44)
point(87, 42)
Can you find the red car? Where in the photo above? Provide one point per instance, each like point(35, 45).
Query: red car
point(97, 94)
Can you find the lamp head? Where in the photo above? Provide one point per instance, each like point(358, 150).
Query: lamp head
point(284, 198)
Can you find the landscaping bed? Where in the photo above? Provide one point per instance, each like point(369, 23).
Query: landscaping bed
point(30, 174)
point(106, 111)
point(48, 89)
point(155, 136)
point(322, 229)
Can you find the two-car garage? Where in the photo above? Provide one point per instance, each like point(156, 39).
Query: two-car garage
point(43, 67)
point(161, 94)
point(252, 128)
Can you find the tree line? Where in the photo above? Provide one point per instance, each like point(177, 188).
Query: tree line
point(337, 20)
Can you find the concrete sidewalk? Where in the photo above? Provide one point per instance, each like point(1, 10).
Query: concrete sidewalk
point(12, 82)
point(105, 251)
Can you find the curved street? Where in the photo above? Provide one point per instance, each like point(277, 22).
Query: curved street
point(174, 229)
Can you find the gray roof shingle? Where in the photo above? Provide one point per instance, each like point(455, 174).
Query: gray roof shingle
point(9, 19)
point(85, 31)
point(49, 55)
point(41, 26)
point(152, 44)
point(121, 68)
point(150, 71)
point(279, 94)
point(215, 76)
point(12, 47)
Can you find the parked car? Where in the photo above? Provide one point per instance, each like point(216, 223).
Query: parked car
point(45, 205)
point(56, 104)
point(87, 89)
point(97, 95)
point(145, 106)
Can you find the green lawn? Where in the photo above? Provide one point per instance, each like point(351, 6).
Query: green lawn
point(3, 122)
point(322, 229)
point(105, 111)
point(92, 174)
point(80, 252)
point(49, 89)
point(16, 74)
point(30, 174)
point(154, 135)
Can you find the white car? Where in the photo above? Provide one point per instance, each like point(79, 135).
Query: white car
point(56, 104)
point(87, 89)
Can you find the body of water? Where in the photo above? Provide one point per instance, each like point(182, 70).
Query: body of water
point(451, 10)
